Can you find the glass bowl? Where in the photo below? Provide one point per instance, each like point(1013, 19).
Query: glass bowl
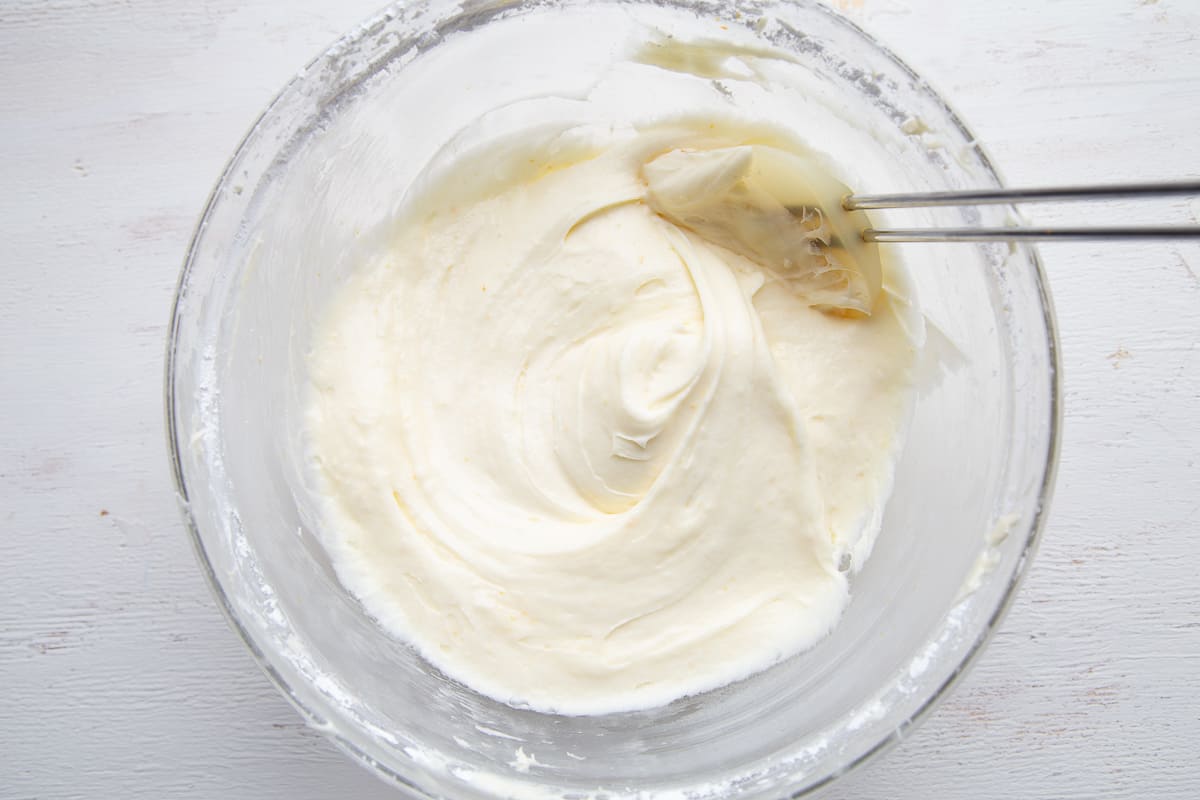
point(971, 486)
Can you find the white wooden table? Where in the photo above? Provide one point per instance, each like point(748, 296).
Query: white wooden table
point(120, 679)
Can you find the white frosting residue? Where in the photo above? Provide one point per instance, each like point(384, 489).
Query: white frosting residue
point(522, 761)
point(989, 557)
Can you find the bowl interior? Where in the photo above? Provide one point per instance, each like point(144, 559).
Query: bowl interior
point(980, 447)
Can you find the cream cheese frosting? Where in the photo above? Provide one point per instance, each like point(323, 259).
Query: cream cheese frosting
point(614, 416)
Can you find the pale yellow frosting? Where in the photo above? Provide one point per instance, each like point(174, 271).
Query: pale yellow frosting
point(608, 422)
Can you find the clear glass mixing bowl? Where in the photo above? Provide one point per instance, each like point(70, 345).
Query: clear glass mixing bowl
point(981, 447)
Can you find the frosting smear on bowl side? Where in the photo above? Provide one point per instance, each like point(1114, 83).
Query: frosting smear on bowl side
point(614, 415)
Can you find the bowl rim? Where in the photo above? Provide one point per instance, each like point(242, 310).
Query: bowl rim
point(175, 446)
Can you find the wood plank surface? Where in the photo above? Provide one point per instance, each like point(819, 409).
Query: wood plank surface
point(119, 677)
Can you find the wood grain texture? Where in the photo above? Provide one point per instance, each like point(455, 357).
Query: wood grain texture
point(120, 679)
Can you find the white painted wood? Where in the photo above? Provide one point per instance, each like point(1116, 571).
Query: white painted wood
point(118, 677)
